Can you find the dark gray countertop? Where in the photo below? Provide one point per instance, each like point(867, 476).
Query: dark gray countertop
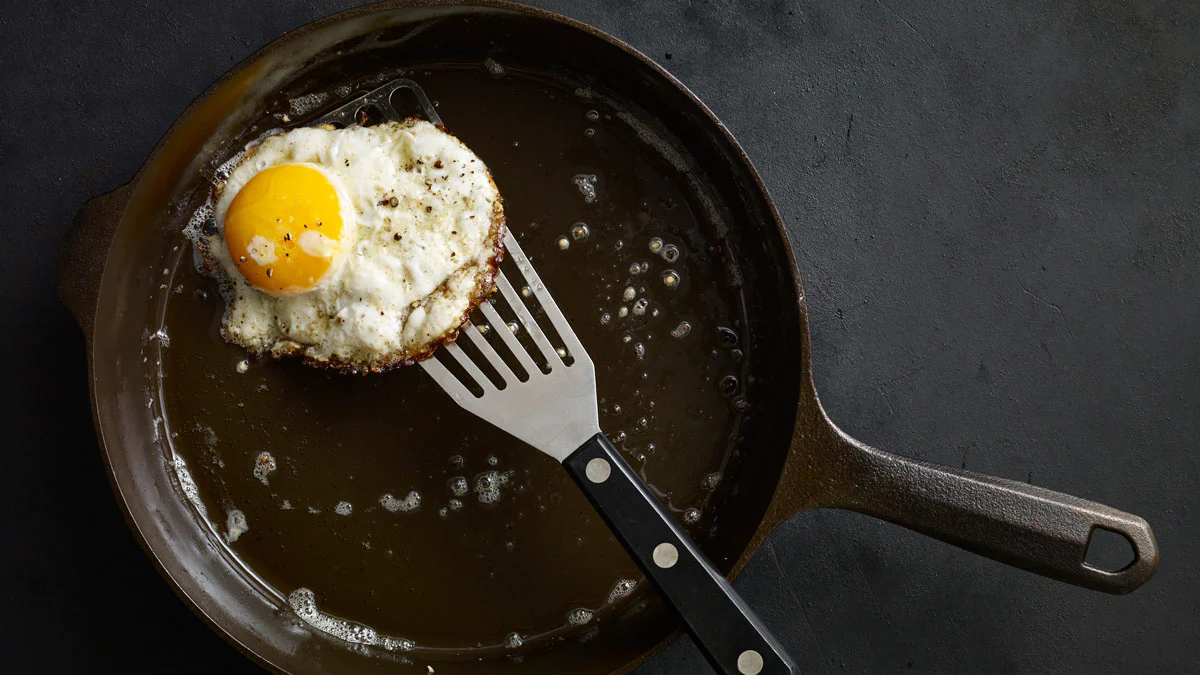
point(997, 213)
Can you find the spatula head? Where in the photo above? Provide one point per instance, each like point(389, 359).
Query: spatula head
point(552, 406)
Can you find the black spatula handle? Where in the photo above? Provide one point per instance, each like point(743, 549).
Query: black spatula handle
point(732, 638)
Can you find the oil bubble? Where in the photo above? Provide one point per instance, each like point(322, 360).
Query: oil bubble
point(670, 279)
point(514, 327)
point(564, 243)
point(670, 253)
point(483, 328)
point(639, 307)
point(605, 318)
point(589, 132)
point(726, 336)
point(526, 291)
point(635, 268)
point(623, 312)
point(656, 245)
point(242, 366)
point(562, 353)
point(592, 116)
point(630, 293)
point(740, 403)
point(579, 231)
point(729, 384)
point(682, 330)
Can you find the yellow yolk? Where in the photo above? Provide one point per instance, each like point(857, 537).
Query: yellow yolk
point(284, 229)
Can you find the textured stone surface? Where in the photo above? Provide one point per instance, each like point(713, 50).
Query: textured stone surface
point(995, 210)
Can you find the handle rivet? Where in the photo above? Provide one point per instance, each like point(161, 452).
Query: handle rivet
point(750, 662)
point(598, 470)
point(666, 555)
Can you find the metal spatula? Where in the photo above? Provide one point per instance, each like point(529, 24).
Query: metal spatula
point(555, 411)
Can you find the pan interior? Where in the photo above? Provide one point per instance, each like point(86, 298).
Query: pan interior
point(501, 556)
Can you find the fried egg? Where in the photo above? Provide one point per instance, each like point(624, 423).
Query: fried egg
point(359, 249)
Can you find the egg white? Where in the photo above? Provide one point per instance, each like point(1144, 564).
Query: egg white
point(423, 225)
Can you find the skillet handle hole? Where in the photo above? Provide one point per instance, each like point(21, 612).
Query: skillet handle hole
point(1109, 551)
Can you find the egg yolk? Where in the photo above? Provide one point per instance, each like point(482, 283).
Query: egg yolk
point(284, 229)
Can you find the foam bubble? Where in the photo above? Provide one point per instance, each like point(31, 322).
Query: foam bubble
point(286, 505)
point(235, 525)
point(691, 516)
point(302, 105)
point(242, 366)
point(162, 337)
point(711, 481)
point(264, 464)
point(513, 641)
point(579, 616)
point(343, 508)
point(304, 603)
point(622, 588)
point(187, 485)
point(494, 68)
point(489, 486)
point(411, 502)
point(586, 184)
point(458, 486)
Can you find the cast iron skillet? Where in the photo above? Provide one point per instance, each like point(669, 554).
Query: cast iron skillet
point(110, 272)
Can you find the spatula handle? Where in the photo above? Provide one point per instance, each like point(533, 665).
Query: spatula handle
point(733, 639)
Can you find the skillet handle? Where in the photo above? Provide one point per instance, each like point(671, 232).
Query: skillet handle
point(733, 639)
point(85, 251)
point(1015, 523)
